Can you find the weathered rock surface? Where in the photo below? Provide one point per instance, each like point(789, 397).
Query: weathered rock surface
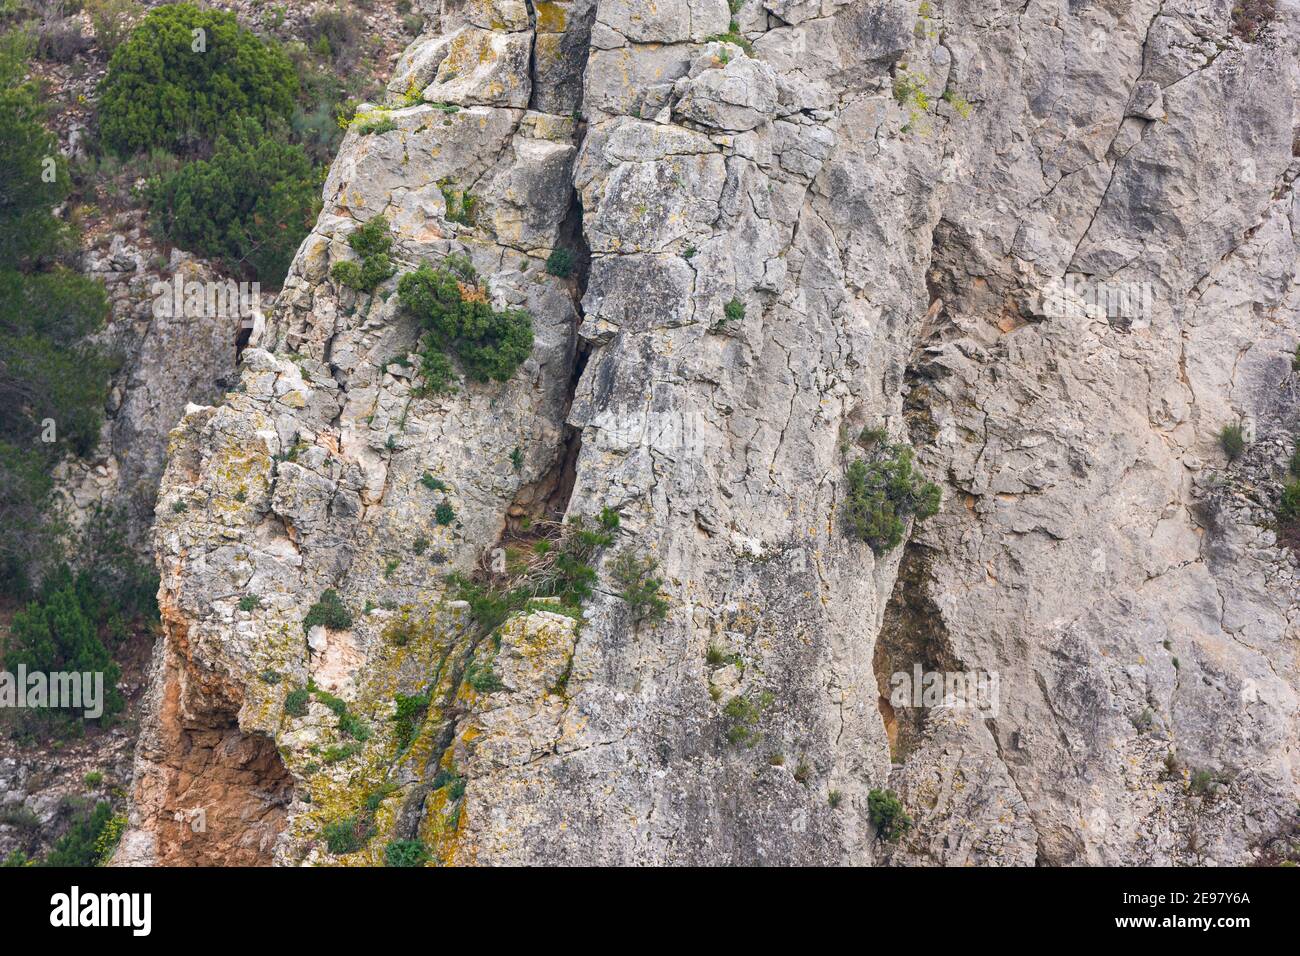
point(890, 215)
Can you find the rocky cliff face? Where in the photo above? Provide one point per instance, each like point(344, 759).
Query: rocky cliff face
point(792, 220)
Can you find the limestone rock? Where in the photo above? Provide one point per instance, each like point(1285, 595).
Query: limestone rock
point(1052, 250)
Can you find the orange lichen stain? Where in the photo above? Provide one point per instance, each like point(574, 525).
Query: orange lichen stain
point(471, 293)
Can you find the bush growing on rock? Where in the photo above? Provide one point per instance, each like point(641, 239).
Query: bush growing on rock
point(250, 205)
point(406, 853)
point(888, 815)
point(409, 713)
point(372, 242)
point(560, 263)
point(183, 74)
point(347, 835)
point(454, 311)
point(296, 701)
point(557, 567)
point(328, 611)
point(639, 587)
point(734, 310)
point(883, 494)
point(1232, 440)
point(742, 714)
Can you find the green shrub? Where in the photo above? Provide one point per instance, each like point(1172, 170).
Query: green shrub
point(560, 263)
point(250, 602)
point(559, 568)
point(454, 311)
point(349, 723)
point(733, 35)
point(488, 607)
point(1232, 440)
point(742, 714)
point(296, 701)
point(734, 310)
point(640, 589)
point(250, 205)
point(410, 713)
point(909, 88)
point(160, 91)
point(93, 779)
point(453, 781)
point(374, 124)
point(348, 834)
point(887, 813)
point(372, 242)
point(482, 676)
point(461, 205)
point(49, 373)
point(354, 726)
point(340, 752)
point(25, 478)
point(58, 633)
point(337, 704)
point(110, 835)
point(83, 844)
point(329, 611)
point(406, 853)
point(882, 494)
point(444, 514)
point(28, 230)
point(114, 592)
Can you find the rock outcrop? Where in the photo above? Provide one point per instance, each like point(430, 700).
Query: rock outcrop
point(1051, 246)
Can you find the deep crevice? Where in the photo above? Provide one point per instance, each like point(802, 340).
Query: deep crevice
point(911, 634)
point(548, 496)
